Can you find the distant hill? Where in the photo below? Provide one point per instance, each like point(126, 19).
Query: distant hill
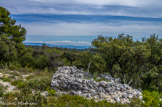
point(60, 46)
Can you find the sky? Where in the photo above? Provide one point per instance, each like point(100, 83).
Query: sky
point(77, 22)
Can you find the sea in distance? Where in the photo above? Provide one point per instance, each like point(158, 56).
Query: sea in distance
point(72, 42)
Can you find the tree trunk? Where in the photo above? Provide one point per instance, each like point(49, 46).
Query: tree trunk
point(89, 65)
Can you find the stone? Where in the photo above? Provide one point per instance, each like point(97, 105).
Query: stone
point(45, 93)
point(117, 99)
point(108, 89)
point(100, 89)
point(79, 80)
point(79, 93)
point(10, 88)
point(1, 75)
point(103, 83)
point(70, 80)
point(124, 95)
point(72, 93)
point(93, 91)
point(74, 87)
point(140, 97)
point(130, 96)
point(118, 88)
point(84, 88)
point(88, 95)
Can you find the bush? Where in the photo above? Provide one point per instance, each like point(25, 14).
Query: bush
point(6, 79)
point(24, 100)
point(37, 100)
point(98, 65)
point(38, 83)
point(41, 62)
point(135, 102)
point(27, 61)
point(30, 77)
point(15, 66)
point(1, 90)
point(26, 69)
point(51, 92)
point(19, 83)
point(78, 101)
point(152, 99)
point(9, 97)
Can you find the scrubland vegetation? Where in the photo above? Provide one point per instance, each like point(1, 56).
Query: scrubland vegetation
point(137, 63)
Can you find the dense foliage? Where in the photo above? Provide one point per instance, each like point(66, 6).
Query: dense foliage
point(11, 38)
point(137, 63)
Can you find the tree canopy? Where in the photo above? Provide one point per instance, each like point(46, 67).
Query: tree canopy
point(137, 63)
point(11, 37)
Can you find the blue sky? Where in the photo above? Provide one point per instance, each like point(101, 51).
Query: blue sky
point(65, 19)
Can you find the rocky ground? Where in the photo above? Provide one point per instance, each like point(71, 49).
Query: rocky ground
point(70, 80)
point(5, 83)
point(7, 76)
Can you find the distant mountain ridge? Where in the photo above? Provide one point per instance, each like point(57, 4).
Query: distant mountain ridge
point(59, 46)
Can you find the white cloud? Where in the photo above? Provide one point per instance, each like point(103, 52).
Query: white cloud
point(89, 29)
point(135, 3)
point(138, 8)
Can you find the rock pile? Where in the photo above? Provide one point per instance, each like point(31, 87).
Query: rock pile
point(70, 80)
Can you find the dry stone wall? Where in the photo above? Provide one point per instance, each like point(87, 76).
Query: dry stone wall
point(70, 80)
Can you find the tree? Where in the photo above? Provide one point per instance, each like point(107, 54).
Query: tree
point(98, 65)
point(41, 62)
point(27, 61)
point(8, 52)
point(8, 27)
point(82, 60)
point(137, 63)
point(11, 37)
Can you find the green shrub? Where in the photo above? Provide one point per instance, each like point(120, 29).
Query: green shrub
point(38, 83)
point(26, 69)
point(25, 100)
point(9, 97)
point(152, 99)
point(41, 62)
point(1, 90)
point(36, 99)
point(41, 83)
point(6, 79)
point(97, 64)
point(15, 82)
point(27, 61)
point(2, 65)
point(30, 77)
point(14, 66)
point(78, 101)
point(14, 74)
point(19, 83)
point(51, 92)
point(135, 102)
